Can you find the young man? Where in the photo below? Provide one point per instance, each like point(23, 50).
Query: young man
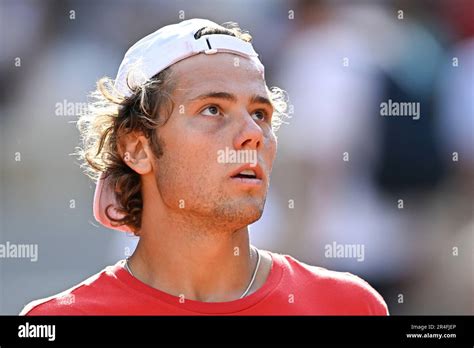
point(183, 144)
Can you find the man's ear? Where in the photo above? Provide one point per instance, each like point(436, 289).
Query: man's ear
point(135, 150)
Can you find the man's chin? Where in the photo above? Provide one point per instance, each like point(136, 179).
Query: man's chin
point(254, 217)
point(247, 213)
point(238, 212)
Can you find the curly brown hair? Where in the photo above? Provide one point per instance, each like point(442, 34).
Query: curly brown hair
point(111, 116)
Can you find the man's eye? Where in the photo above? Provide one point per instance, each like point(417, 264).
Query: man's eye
point(211, 110)
point(259, 115)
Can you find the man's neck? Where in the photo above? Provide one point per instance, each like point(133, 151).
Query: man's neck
point(178, 257)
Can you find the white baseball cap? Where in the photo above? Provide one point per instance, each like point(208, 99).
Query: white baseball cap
point(173, 43)
point(148, 57)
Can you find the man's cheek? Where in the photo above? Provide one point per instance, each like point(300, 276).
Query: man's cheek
point(271, 154)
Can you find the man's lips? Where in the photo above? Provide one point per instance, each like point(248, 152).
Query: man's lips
point(249, 182)
point(244, 177)
point(245, 172)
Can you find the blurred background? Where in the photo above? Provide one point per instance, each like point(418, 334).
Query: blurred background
point(402, 188)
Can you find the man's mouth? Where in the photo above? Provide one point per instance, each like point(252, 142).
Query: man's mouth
point(249, 175)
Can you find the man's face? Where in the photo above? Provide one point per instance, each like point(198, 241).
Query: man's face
point(221, 121)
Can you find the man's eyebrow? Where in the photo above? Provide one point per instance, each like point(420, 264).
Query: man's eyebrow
point(255, 99)
point(258, 99)
point(216, 95)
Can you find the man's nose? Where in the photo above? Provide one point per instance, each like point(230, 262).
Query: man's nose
point(250, 134)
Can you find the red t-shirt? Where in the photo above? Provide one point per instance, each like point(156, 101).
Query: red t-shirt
point(291, 288)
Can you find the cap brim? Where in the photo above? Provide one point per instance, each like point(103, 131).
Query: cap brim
point(104, 196)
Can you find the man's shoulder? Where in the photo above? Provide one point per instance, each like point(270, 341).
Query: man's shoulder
point(73, 300)
point(59, 304)
point(344, 287)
